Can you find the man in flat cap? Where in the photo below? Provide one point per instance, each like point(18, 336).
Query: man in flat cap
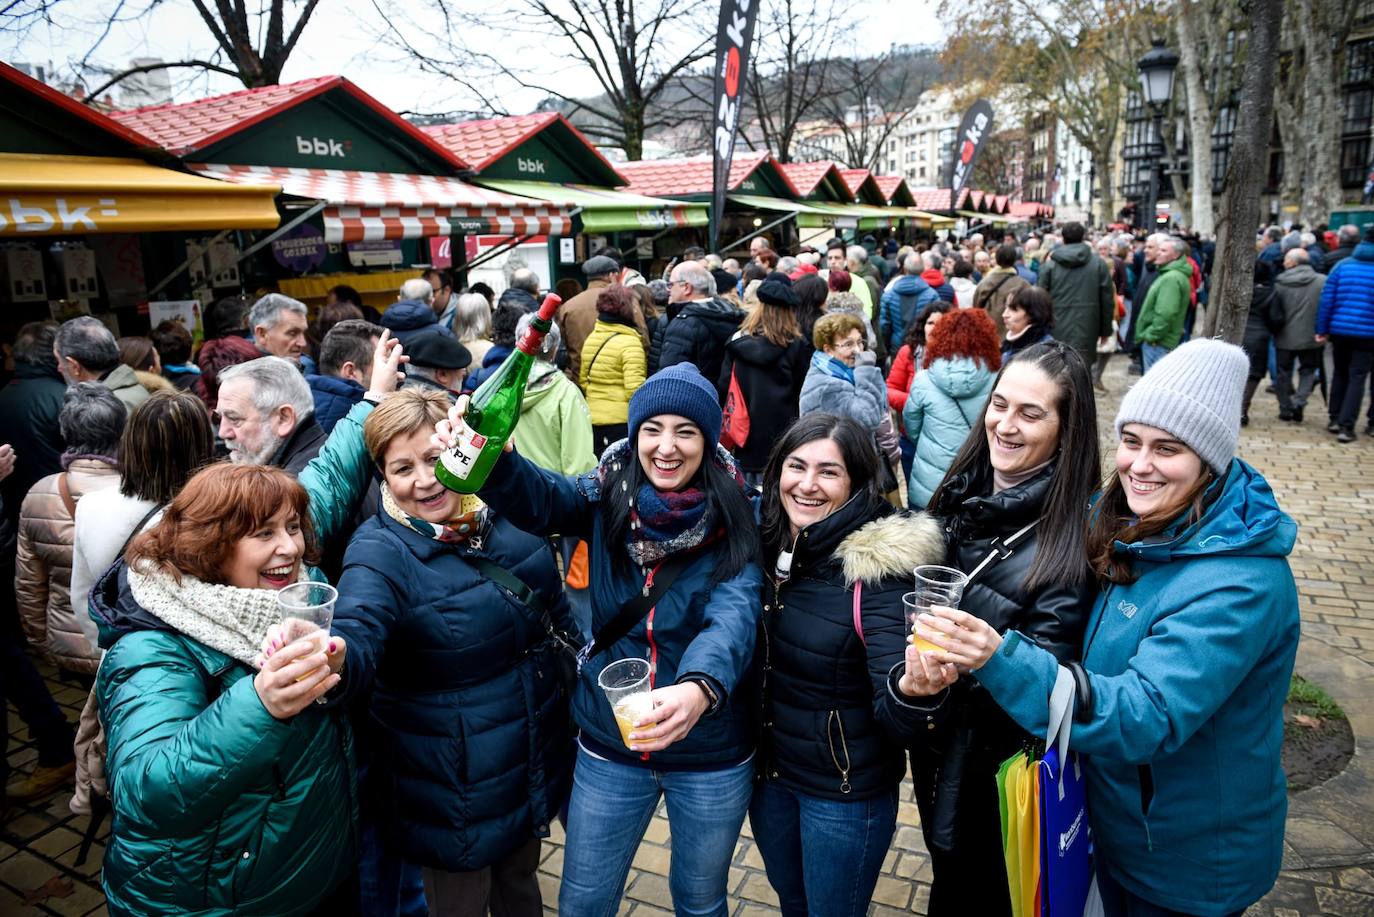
point(437, 363)
point(577, 316)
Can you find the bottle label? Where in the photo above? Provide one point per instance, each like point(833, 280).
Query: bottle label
point(459, 459)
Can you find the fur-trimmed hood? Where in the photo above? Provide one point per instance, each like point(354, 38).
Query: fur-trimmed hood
point(891, 546)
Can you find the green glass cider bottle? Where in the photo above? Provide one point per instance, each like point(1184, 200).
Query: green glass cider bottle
point(493, 411)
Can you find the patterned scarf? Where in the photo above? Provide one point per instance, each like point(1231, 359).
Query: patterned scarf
point(666, 522)
point(822, 361)
point(469, 523)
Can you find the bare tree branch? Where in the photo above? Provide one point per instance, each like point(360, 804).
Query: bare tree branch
point(149, 68)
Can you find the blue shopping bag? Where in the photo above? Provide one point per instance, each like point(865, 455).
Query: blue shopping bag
point(1066, 869)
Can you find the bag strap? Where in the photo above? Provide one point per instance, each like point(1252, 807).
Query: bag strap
point(609, 338)
point(512, 584)
point(65, 492)
point(858, 611)
point(138, 528)
point(1001, 550)
point(1061, 721)
point(633, 611)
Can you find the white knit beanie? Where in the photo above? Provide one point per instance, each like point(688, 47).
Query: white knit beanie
point(1194, 393)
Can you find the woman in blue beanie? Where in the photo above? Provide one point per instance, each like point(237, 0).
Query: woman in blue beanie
point(672, 542)
point(1189, 650)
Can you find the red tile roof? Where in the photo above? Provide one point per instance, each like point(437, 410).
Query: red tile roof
point(807, 176)
point(28, 84)
point(1030, 209)
point(480, 143)
point(854, 179)
point(888, 184)
point(938, 200)
point(1000, 203)
point(670, 177)
point(187, 127)
point(975, 198)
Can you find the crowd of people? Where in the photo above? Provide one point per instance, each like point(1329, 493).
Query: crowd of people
point(730, 472)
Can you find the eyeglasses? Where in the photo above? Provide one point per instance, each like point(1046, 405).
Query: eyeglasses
point(856, 345)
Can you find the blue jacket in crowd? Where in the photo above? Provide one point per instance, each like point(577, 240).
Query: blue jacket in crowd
point(465, 705)
point(333, 398)
point(409, 318)
point(1347, 306)
point(1189, 668)
point(495, 356)
point(944, 403)
point(901, 302)
point(695, 629)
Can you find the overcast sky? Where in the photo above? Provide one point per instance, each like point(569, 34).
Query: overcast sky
point(341, 38)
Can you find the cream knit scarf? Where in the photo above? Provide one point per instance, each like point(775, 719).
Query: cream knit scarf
point(225, 618)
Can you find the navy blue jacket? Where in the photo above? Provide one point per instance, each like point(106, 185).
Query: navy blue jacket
point(333, 398)
point(1347, 306)
point(409, 318)
point(695, 629)
point(465, 700)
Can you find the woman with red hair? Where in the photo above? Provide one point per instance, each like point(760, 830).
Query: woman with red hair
point(962, 355)
point(232, 789)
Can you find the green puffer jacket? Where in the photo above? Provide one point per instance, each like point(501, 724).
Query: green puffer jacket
point(218, 807)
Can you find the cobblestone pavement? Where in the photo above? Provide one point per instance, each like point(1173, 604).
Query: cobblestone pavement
point(1329, 852)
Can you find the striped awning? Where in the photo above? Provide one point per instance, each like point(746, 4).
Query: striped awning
point(368, 206)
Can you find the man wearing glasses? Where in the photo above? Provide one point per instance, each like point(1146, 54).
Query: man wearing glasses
point(697, 330)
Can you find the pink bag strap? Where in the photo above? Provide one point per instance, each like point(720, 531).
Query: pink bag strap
point(858, 614)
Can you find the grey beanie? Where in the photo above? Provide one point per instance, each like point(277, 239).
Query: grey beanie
point(1291, 241)
point(1193, 392)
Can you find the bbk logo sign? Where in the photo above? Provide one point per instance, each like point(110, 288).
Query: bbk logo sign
point(328, 146)
point(53, 214)
point(535, 166)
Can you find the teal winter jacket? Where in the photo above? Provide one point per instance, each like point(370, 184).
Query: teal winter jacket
point(1189, 668)
point(944, 404)
point(337, 478)
point(219, 808)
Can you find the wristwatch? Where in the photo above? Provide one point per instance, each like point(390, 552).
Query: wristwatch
point(712, 700)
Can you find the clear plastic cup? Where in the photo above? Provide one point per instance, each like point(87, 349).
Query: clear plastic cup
point(935, 585)
point(626, 685)
point(307, 612)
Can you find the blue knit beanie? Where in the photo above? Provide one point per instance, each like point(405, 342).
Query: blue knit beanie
point(678, 389)
point(1194, 393)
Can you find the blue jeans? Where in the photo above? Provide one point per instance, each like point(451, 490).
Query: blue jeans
point(1151, 354)
point(822, 856)
point(610, 810)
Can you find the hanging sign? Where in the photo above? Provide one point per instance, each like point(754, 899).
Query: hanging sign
point(301, 249)
point(972, 137)
point(734, 34)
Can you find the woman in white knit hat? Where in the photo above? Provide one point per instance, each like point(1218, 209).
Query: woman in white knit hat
point(1189, 650)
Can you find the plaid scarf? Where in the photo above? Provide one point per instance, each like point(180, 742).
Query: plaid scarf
point(666, 522)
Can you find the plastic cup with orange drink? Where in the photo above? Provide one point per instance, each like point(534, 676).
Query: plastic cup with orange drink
point(935, 585)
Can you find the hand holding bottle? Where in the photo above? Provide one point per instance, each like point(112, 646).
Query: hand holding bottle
point(446, 432)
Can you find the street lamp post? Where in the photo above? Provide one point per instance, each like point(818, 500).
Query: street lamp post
point(1156, 85)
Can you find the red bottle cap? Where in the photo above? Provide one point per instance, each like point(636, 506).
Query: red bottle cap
point(549, 306)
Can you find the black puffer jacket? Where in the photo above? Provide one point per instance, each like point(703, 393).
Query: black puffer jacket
point(771, 378)
point(698, 336)
point(970, 735)
point(826, 708)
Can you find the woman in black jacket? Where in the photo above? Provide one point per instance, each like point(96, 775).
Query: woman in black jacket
point(1257, 336)
point(769, 359)
point(825, 805)
point(1013, 506)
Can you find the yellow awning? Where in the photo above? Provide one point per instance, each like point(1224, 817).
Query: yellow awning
point(70, 195)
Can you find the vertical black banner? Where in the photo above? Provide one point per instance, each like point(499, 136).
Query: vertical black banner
point(973, 134)
point(733, 37)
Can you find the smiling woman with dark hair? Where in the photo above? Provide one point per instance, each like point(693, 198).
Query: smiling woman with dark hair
point(667, 517)
point(1012, 504)
point(829, 762)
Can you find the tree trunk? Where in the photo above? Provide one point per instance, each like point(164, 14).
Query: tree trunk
point(1105, 162)
point(1200, 118)
point(1321, 187)
point(1235, 262)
